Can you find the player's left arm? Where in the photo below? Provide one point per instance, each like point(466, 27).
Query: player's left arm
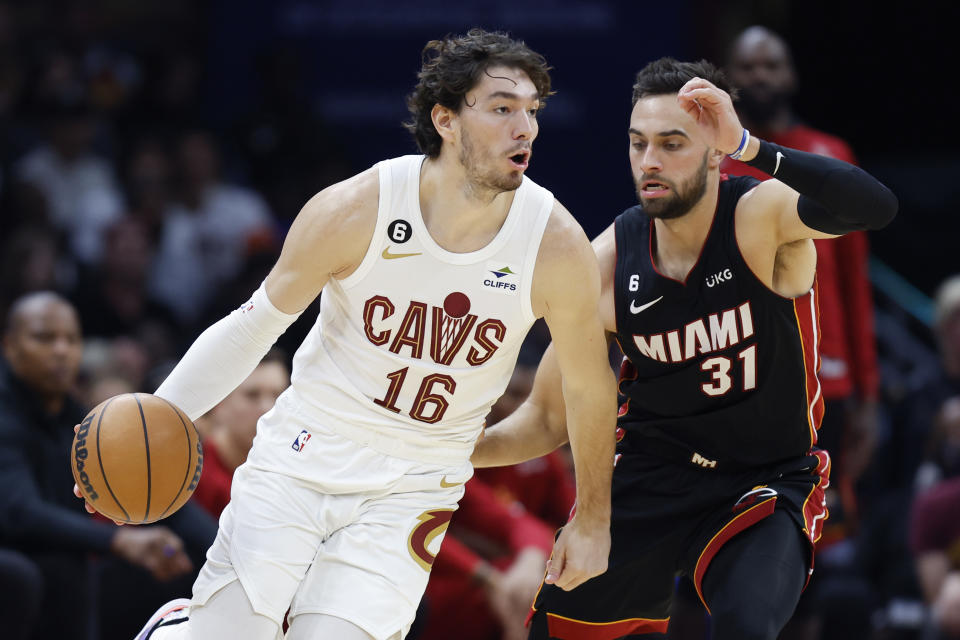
point(567, 294)
point(812, 196)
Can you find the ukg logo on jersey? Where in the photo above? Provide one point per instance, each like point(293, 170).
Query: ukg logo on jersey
point(502, 277)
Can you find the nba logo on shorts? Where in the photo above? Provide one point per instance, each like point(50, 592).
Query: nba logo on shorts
point(301, 441)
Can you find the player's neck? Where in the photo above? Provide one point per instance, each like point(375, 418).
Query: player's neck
point(679, 241)
point(459, 217)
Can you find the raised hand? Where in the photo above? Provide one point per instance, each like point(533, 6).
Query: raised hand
point(713, 110)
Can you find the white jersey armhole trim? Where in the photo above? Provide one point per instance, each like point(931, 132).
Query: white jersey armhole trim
point(533, 251)
point(384, 171)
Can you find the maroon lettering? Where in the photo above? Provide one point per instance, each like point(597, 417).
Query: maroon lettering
point(448, 336)
point(369, 309)
point(426, 398)
point(411, 330)
point(486, 342)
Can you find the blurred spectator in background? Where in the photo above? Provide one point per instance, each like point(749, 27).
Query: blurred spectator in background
point(105, 387)
point(122, 357)
point(920, 451)
point(935, 544)
point(31, 260)
point(915, 417)
point(229, 428)
point(147, 181)
point(112, 298)
point(81, 196)
point(207, 232)
point(39, 518)
point(942, 456)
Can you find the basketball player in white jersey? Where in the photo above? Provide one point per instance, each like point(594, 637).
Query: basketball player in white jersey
point(433, 267)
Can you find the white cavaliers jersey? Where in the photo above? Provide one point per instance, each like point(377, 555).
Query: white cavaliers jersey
point(419, 342)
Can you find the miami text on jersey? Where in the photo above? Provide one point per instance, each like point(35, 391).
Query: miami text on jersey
point(715, 332)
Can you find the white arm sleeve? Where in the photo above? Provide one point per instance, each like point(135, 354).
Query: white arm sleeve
point(224, 355)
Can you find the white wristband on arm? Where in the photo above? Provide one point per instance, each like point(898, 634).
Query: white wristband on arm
point(224, 355)
point(744, 141)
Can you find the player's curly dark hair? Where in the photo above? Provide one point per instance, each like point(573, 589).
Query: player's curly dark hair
point(454, 65)
point(668, 75)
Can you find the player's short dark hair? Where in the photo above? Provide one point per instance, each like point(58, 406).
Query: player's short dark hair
point(667, 75)
point(454, 65)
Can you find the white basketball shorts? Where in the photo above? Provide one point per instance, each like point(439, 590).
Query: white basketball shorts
point(356, 540)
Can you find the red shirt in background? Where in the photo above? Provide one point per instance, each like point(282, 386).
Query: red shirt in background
point(846, 303)
point(934, 525)
point(213, 490)
point(544, 486)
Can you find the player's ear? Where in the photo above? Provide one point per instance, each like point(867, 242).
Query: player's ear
point(715, 158)
point(444, 120)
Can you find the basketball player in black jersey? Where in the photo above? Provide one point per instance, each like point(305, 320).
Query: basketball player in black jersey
point(709, 289)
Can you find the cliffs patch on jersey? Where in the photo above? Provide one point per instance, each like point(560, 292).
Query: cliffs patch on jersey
point(502, 277)
point(451, 327)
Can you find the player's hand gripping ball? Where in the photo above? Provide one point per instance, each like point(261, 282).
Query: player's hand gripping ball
point(136, 458)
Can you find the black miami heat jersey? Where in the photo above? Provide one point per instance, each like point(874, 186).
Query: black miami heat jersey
point(718, 367)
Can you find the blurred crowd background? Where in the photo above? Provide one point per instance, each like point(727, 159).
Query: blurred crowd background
point(154, 153)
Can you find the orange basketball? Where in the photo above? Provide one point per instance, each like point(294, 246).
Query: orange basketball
point(136, 458)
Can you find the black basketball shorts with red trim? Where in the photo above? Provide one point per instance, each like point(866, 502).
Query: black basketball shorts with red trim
point(668, 519)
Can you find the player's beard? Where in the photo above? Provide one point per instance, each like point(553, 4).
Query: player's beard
point(760, 105)
point(484, 180)
point(681, 200)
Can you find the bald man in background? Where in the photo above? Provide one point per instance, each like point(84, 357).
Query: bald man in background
point(46, 539)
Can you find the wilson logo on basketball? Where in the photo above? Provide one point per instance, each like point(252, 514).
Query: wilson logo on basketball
point(80, 453)
point(198, 469)
point(445, 330)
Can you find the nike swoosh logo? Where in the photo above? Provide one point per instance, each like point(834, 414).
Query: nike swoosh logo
point(636, 309)
point(393, 256)
point(446, 485)
point(780, 157)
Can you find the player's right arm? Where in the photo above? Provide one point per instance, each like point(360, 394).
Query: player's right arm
point(328, 239)
point(577, 364)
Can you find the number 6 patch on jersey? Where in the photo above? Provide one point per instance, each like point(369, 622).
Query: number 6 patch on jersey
point(431, 524)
